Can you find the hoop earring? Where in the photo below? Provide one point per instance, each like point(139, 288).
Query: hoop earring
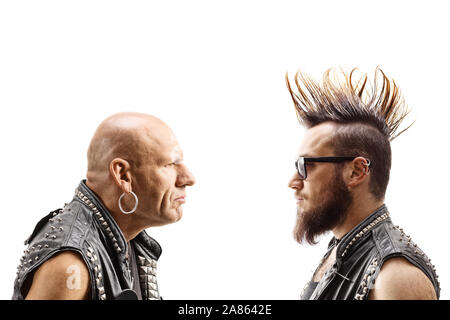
point(366, 171)
point(135, 205)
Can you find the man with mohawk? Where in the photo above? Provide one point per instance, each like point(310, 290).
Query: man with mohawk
point(342, 173)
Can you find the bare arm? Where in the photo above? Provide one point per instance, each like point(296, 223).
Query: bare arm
point(62, 277)
point(400, 280)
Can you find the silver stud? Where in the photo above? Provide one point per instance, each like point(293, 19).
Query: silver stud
point(53, 237)
point(61, 228)
point(46, 246)
point(37, 258)
point(46, 235)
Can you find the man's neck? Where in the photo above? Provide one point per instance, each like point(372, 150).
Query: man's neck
point(128, 224)
point(356, 213)
point(125, 223)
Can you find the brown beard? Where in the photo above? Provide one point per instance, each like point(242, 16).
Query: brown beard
point(327, 215)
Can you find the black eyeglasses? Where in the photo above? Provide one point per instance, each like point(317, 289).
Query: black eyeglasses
point(301, 168)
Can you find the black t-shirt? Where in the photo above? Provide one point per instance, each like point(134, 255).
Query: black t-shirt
point(134, 272)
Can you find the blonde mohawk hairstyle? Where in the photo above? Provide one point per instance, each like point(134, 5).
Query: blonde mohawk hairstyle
point(343, 99)
point(368, 116)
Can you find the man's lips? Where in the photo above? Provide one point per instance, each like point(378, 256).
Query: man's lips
point(299, 199)
point(181, 199)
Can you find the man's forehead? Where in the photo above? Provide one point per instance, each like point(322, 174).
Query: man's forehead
point(317, 140)
point(166, 146)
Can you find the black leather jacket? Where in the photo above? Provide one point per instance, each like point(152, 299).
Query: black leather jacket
point(86, 227)
point(360, 255)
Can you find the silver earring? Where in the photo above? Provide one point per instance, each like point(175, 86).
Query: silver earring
point(366, 171)
point(135, 205)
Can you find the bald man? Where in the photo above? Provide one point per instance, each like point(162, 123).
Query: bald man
point(96, 247)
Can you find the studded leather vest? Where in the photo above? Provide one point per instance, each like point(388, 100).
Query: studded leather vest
point(86, 227)
point(359, 257)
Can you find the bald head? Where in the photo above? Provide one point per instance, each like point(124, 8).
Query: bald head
point(135, 152)
point(130, 136)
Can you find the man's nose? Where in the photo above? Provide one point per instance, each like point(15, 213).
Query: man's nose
point(295, 182)
point(185, 177)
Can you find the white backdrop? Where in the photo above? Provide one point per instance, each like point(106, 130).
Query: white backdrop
point(214, 71)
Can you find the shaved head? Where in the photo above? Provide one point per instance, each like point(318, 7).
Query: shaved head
point(128, 135)
point(136, 152)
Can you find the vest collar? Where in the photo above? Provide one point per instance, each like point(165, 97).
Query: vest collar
point(352, 238)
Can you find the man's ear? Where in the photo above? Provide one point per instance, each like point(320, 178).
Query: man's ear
point(120, 172)
point(357, 172)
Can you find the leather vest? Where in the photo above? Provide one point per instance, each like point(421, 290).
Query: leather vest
point(85, 226)
point(360, 255)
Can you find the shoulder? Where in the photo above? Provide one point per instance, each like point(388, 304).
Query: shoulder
point(401, 280)
point(63, 276)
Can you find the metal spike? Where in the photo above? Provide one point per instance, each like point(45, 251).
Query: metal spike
point(144, 269)
point(141, 260)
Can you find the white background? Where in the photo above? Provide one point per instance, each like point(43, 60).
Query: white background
point(214, 71)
